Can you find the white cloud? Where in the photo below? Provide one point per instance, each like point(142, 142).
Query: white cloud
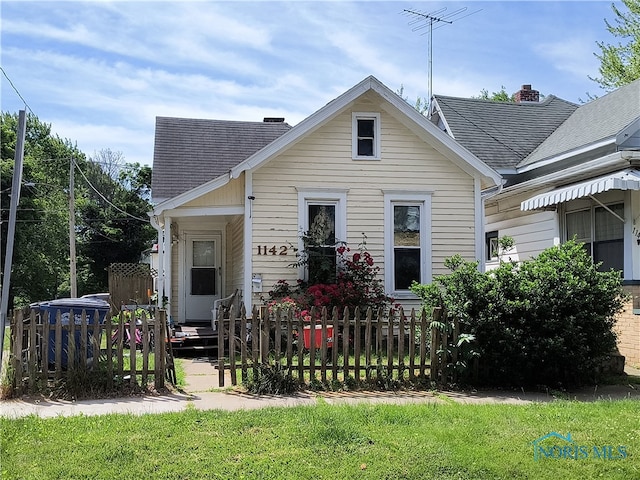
point(100, 72)
point(573, 55)
point(135, 144)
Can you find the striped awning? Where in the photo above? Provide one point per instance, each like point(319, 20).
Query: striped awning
point(628, 179)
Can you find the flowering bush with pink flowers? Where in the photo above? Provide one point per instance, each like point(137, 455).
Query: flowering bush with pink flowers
point(357, 284)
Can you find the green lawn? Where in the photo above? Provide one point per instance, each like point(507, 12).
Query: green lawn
point(444, 441)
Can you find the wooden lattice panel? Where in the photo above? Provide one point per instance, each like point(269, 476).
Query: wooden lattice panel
point(130, 269)
point(130, 283)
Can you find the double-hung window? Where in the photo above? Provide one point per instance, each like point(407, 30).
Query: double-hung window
point(602, 232)
point(366, 136)
point(322, 217)
point(407, 241)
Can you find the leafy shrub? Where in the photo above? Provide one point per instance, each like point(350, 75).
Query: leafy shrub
point(548, 321)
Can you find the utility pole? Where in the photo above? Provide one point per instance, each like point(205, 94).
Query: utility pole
point(73, 277)
point(425, 20)
point(11, 232)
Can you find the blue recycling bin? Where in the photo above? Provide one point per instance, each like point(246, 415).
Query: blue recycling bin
point(65, 306)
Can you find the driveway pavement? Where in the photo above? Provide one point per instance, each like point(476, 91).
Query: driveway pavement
point(202, 382)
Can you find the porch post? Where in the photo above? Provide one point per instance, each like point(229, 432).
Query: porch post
point(167, 245)
point(248, 241)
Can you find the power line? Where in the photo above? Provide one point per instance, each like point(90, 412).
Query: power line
point(104, 198)
point(16, 90)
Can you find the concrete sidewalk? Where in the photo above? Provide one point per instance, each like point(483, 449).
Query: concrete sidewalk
point(202, 378)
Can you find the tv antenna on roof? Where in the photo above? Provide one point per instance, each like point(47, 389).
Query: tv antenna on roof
point(440, 18)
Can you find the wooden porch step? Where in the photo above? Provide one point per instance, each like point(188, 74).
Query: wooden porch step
point(188, 331)
point(194, 338)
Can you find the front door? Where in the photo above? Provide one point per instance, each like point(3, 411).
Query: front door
point(202, 276)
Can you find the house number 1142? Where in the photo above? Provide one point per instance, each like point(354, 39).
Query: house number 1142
point(264, 250)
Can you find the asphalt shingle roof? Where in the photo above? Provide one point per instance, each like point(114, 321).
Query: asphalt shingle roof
point(189, 152)
point(502, 134)
point(592, 122)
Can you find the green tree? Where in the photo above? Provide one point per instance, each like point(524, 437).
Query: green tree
point(114, 225)
point(41, 248)
point(421, 104)
point(500, 96)
point(620, 62)
point(111, 201)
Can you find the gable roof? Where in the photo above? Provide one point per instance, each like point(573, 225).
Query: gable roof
point(396, 106)
point(592, 123)
point(189, 152)
point(501, 134)
point(392, 103)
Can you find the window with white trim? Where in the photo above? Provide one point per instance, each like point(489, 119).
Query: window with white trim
point(601, 231)
point(366, 136)
point(407, 241)
point(322, 217)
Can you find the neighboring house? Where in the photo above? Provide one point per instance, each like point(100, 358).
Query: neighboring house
point(150, 257)
point(570, 171)
point(232, 198)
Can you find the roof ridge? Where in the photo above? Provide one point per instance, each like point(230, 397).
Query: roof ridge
point(547, 100)
point(251, 122)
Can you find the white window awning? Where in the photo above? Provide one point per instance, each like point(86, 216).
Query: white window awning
point(628, 179)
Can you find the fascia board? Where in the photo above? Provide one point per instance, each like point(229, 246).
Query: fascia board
point(205, 211)
point(306, 126)
point(630, 133)
point(189, 195)
point(565, 155)
point(441, 117)
point(577, 172)
point(442, 142)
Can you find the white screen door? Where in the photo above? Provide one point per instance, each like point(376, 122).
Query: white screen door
point(202, 276)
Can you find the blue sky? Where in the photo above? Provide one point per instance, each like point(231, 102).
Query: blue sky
point(100, 72)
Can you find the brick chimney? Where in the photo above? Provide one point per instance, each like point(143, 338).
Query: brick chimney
point(526, 94)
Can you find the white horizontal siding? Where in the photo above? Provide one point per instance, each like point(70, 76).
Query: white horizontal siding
point(532, 232)
point(230, 194)
point(323, 160)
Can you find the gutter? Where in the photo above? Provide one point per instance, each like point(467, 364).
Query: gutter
point(569, 154)
point(491, 192)
point(620, 159)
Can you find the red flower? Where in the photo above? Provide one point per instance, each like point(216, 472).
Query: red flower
point(356, 257)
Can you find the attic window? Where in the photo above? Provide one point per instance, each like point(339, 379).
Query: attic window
point(366, 136)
